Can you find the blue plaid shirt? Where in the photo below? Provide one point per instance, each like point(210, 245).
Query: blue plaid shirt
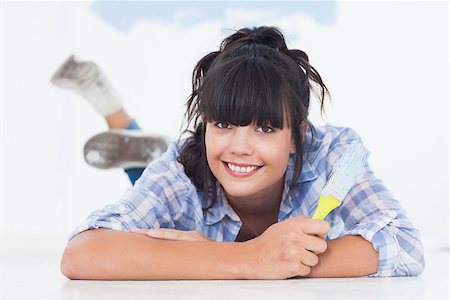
point(164, 197)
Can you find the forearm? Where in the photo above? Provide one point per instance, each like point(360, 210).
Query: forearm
point(347, 256)
point(108, 254)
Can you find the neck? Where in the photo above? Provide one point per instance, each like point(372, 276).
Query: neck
point(264, 205)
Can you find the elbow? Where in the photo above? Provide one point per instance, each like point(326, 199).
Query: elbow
point(76, 259)
point(85, 256)
point(419, 270)
point(411, 258)
point(401, 259)
point(402, 270)
point(410, 266)
point(68, 269)
point(73, 263)
point(414, 261)
point(412, 269)
point(68, 264)
point(418, 267)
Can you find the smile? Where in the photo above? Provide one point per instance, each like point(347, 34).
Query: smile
point(240, 170)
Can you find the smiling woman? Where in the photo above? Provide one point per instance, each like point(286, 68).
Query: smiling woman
point(233, 199)
point(249, 163)
point(254, 79)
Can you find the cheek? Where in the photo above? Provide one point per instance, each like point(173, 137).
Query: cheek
point(209, 148)
point(210, 143)
point(214, 148)
point(277, 153)
point(273, 157)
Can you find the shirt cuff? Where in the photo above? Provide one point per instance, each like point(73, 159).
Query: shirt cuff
point(384, 242)
point(103, 219)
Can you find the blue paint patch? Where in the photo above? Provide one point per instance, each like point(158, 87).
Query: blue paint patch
point(123, 15)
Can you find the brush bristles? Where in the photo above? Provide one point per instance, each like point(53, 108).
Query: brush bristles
point(347, 169)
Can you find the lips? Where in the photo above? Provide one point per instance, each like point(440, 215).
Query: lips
point(240, 170)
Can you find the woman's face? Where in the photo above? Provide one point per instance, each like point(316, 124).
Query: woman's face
point(248, 160)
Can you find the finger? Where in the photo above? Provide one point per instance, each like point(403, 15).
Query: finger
point(138, 231)
point(303, 270)
point(170, 234)
point(173, 234)
point(322, 236)
point(164, 233)
point(308, 258)
point(297, 218)
point(315, 227)
point(155, 233)
point(315, 244)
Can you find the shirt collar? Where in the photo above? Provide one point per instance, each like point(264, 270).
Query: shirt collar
point(220, 209)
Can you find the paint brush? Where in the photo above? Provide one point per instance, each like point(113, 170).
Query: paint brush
point(343, 177)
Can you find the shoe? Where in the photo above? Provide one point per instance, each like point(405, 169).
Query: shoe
point(73, 74)
point(86, 79)
point(121, 148)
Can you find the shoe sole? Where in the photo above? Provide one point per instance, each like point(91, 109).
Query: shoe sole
point(122, 149)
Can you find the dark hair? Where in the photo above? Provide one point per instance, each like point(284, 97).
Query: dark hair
point(253, 78)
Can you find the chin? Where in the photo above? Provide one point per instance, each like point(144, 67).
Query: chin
point(238, 192)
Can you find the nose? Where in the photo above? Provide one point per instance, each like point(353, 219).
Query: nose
point(241, 141)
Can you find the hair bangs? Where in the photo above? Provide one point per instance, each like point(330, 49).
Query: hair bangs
point(245, 90)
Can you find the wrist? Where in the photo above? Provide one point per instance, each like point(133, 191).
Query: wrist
point(239, 263)
point(246, 260)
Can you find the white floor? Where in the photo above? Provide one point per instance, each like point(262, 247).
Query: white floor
point(38, 277)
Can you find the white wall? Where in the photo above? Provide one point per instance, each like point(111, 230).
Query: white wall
point(386, 65)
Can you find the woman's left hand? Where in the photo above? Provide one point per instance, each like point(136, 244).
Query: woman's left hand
point(172, 234)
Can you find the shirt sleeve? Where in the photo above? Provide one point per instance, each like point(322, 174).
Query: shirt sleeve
point(371, 211)
point(157, 200)
point(138, 208)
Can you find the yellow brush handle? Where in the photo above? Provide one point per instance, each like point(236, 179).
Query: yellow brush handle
point(326, 204)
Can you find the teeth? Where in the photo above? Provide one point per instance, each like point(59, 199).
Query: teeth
point(238, 169)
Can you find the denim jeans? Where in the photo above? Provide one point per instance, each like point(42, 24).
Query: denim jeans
point(134, 173)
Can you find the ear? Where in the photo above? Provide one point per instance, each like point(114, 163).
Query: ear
point(303, 128)
point(292, 148)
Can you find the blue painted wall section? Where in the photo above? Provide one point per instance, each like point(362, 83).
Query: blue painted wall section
point(123, 15)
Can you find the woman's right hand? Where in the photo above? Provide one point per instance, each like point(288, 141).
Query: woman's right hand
point(286, 249)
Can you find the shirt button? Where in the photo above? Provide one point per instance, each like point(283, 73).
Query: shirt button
point(122, 208)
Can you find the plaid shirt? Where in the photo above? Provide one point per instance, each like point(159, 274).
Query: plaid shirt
point(164, 197)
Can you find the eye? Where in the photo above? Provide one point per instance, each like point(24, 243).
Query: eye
point(264, 129)
point(223, 125)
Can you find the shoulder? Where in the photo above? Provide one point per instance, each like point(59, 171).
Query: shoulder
point(332, 138)
point(327, 144)
point(333, 135)
point(164, 194)
point(165, 176)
